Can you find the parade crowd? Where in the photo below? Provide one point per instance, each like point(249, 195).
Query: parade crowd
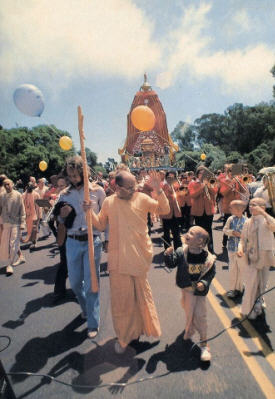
point(124, 208)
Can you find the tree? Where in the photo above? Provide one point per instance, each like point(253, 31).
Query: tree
point(215, 157)
point(184, 135)
point(21, 150)
point(273, 74)
point(260, 157)
point(213, 129)
point(91, 157)
point(240, 129)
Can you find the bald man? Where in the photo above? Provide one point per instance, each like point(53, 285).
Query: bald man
point(130, 256)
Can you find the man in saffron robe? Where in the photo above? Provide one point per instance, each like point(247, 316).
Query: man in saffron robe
point(130, 256)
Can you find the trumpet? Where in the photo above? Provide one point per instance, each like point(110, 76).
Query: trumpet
point(212, 181)
point(246, 179)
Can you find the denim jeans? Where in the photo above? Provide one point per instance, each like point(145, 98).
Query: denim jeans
point(80, 277)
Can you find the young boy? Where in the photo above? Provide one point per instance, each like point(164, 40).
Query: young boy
point(196, 269)
point(232, 229)
point(257, 245)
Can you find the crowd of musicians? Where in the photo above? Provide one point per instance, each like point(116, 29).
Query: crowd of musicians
point(179, 201)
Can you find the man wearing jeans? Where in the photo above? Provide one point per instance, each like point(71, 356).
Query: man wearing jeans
point(77, 242)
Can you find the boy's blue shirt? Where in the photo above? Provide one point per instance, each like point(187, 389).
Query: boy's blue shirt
point(236, 224)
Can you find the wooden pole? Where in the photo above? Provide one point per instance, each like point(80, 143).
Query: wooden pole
point(94, 285)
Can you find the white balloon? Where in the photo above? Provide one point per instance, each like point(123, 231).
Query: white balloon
point(29, 100)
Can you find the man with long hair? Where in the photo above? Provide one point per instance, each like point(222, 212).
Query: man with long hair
point(77, 250)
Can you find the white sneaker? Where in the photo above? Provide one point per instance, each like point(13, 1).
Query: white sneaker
point(20, 260)
point(119, 349)
point(9, 270)
point(205, 354)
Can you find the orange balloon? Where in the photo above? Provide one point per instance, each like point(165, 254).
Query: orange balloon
point(143, 118)
point(203, 157)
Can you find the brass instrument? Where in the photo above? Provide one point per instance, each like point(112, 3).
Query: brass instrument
point(237, 179)
point(269, 172)
point(207, 192)
point(212, 181)
point(207, 176)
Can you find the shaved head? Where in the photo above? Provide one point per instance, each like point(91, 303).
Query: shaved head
point(125, 185)
point(124, 177)
point(258, 201)
point(202, 233)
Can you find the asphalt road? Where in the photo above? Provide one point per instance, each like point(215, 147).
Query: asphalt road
point(51, 339)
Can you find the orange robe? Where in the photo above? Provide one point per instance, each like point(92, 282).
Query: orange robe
point(130, 254)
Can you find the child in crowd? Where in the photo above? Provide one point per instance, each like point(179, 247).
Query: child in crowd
point(195, 271)
point(257, 245)
point(232, 229)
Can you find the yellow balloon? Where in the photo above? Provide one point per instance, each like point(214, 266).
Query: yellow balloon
point(43, 165)
point(65, 143)
point(203, 157)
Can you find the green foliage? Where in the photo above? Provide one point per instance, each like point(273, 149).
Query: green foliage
point(215, 157)
point(261, 156)
point(91, 157)
point(242, 133)
point(234, 157)
point(273, 74)
point(99, 168)
point(21, 150)
point(184, 135)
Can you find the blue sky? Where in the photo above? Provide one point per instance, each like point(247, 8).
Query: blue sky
point(200, 57)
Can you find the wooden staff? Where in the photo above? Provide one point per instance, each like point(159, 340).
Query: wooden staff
point(94, 285)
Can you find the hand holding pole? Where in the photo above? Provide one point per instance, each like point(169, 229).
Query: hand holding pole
point(94, 284)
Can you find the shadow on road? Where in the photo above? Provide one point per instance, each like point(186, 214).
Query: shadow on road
point(261, 328)
point(35, 353)
point(93, 365)
point(223, 256)
point(229, 303)
point(103, 360)
point(47, 274)
point(179, 356)
point(37, 304)
point(157, 241)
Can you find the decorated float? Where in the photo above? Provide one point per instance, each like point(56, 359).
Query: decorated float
point(144, 148)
